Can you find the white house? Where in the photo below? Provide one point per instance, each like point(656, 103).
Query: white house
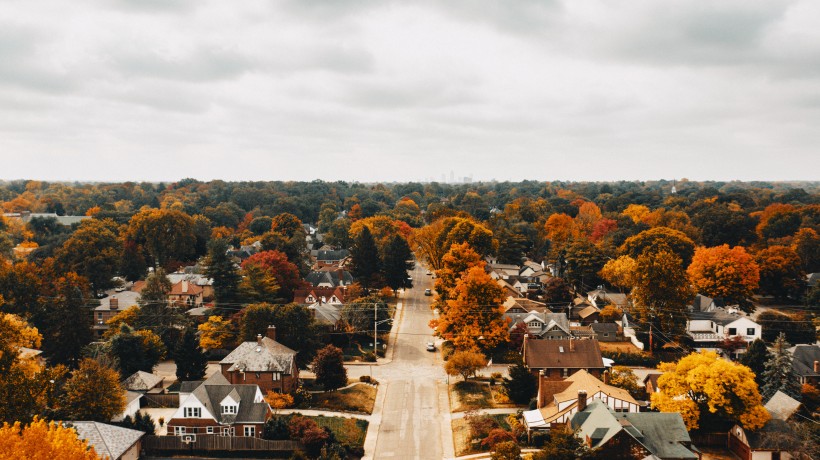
point(132, 405)
point(708, 328)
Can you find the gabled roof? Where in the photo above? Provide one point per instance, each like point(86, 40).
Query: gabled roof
point(662, 434)
point(782, 406)
point(775, 435)
point(268, 356)
point(109, 441)
point(523, 303)
point(124, 300)
point(141, 381)
point(185, 288)
point(332, 255)
point(588, 311)
point(332, 277)
point(604, 327)
point(213, 391)
point(301, 295)
point(326, 313)
point(803, 358)
point(571, 354)
point(583, 380)
point(718, 316)
point(617, 299)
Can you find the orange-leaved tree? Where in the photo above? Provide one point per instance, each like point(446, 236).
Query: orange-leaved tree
point(455, 263)
point(620, 272)
point(41, 440)
point(93, 393)
point(705, 389)
point(730, 273)
point(474, 318)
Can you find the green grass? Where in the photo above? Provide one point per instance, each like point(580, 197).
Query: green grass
point(348, 431)
point(359, 398)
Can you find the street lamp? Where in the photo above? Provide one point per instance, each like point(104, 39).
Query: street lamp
point(376, 334)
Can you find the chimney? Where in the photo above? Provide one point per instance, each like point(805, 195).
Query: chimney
point(582, 400)
point(271, 332)
point(817, 367)
point(341, 274)
point(542, 396)
point(114, 303)
point(570, 343)
point(606, 377)
point(259, 339)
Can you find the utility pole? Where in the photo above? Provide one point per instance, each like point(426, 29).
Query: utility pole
point(650, 339)
point(375, 330)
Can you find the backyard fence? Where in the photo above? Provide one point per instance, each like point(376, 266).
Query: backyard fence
point(214, 443)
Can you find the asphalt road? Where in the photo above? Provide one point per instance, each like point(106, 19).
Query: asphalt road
point(415, 421)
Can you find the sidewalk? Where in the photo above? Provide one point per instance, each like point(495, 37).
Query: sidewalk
point(326, 413)
point(494, 411)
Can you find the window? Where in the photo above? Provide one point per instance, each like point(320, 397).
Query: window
point(275, 375)
point(228, 409)
point(209, 430)
point(178, 430)
point(750, 331)
point(534, 324)
point(250, 431)
point(732, 331)
point(194, 412)
point(99, 316)
point(622, 409)
point(566, 372)
point(226, 431)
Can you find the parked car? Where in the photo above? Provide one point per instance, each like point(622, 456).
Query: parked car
point(428, 292)
point(429, 272)
point(431, 346)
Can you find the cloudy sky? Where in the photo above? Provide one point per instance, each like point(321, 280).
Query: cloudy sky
point(365, 90)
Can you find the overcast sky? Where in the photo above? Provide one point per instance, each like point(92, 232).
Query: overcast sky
point(117, 90)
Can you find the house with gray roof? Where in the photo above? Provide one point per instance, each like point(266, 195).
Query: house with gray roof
point(708, 328)
point(775, 440)
point(806, 363)
point(654, 435)
point(110, 442)
point(329, 278)
point(143, 382)
point(218, 407)
point(264, 362)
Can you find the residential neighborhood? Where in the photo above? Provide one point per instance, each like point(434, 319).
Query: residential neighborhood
point(401, 335)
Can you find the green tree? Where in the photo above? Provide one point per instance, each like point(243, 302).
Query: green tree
point(154, 313)
point(222, 269)
point(190, 359)
point(93, 392)
point(364, 257)
point(397, 259)
point(92, 251)
point(364, 312)
point(778, 374)
point(328, 365)
point(755, 359)
point(135, 353)
point(67, 321)
point(522, 385)
point(661, 291)
point(584, 261)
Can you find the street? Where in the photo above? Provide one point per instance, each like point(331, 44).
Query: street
point(415, 422)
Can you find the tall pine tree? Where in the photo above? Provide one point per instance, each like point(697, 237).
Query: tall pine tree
point(68, 323)
point(755, 359)
point(364, 257)
point(396, 261)
point(779, 374)
point(223, 271)
point(191, 361)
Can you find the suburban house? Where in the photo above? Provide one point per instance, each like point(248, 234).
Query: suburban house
point(776, 440)
point(806, 363)
point(600, 298)
point(332, 258)
point(607, 332)
point(708, 328)
point(509, 290)
point(545, 325)
point(651, 435)
point(110, 442)
point(559, 400)
point(589, 315)
point(109, 307)
point(186, 293)
point(189, 274)
point(264, 362)
point(327, 316)
point(218, 407)
point(331, 295)
point(562, 358)
point(143, 382)
point(329, 278)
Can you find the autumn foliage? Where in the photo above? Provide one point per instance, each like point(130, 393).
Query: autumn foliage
point(40, 440)
point(721, 271)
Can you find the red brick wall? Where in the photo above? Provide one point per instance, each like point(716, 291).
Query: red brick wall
point(286, 384)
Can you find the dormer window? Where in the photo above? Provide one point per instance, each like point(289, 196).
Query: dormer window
point(192, 412)
point(534, 324)
point(230, 409)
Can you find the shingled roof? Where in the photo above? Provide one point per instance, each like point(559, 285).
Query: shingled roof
point(141, 381)
point(570, 354)
point(211, 393)
point(262, 355)
point(109, 441)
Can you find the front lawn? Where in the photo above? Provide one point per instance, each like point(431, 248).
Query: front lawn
point(358, 398)
point(349, 431)
point(477, 394)
point(461, 435)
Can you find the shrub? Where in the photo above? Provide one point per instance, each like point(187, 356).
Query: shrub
point(538, 439)
point(495, 436)
point(369, 357)
point(276, 429)
point(302, 397)
point(496, 376)
point(480, 424)
point(507, 450)
point(365, 378)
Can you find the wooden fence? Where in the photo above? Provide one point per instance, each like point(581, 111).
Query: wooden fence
point(165, 400)
point(709, 439)
point(214, 443)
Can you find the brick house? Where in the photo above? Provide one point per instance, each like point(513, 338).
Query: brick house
point(560, 359)
point(264, 362)
point(217, 407)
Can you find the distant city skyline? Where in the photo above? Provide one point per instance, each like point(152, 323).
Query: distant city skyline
point(372, 91)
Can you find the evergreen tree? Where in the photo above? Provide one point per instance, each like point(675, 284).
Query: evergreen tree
point(329, 368)
point(154, 313)
point(779, 375)
point(68, 322)
point(396, 261)
point(522, 385)
point(223, 271)
point(364, 257)
point(191, 361)
point(130, 351)
point(756, 358)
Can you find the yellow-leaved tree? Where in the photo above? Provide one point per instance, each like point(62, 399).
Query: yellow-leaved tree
point(705, 388)
point(216, 333)
point(41, 440)
point(93, 393)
